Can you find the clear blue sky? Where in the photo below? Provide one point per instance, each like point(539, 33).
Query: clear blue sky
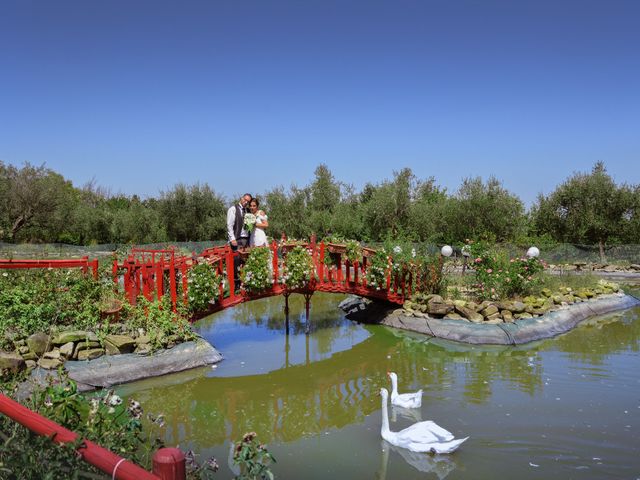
point(247, 95)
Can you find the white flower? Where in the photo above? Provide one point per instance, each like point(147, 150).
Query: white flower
point(413, 252)
point(397, 249)
point(115, 400)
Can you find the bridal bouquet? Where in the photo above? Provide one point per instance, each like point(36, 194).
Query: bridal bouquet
point(249, 221)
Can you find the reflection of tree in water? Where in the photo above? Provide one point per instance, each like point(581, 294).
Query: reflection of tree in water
point(305, 400)
point(595, 339)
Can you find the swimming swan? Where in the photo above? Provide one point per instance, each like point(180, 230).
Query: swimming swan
point(405, 400)
point(419, 437)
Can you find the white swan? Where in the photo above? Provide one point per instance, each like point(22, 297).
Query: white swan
point(419, 437)
point(405, 400)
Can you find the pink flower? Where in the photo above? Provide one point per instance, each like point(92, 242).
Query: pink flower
point(478, 260)
point(489, 270)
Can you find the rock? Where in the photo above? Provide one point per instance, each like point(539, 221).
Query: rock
point(31, 364)
point(432, 297)
point(490, 310)
point(85, 346)
point(454, 316)
point(143, 339)
point(611, 268)
point(494, 321)
point(459, 303)
point(29, 356)
point(49, 363)
point(90, 354)
point(473, 306)
point(469, 314)
point(74, 336)
point(438, 308)
point(143, 349)
point(39, 343)
point(484, 305)
point(23, 349)
point(53, 354)
point(570, 267)
point(634, 266)
point(546, 292)
point(116, 344)
point(507, 316)
point(66, 350)
point(518, 316)
point(12, 361)
point(517, 307)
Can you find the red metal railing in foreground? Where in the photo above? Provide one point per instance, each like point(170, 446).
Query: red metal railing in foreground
point(84, 263)
point(168, 463)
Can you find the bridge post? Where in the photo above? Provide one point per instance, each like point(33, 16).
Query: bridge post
point(307, 307)
point(320, 265)
point(286, 313)
point(172, 282)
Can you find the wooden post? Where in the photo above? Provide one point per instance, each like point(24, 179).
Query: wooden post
point(94, 267)
point(274, 260)
point(160, 280)
point(307, 307)
point(85, 266)
point(286, 313)
point(185, 282)
point(114, 271)
point(169, 464)
point(230, 274)
point(321, 263)
point(172, 282)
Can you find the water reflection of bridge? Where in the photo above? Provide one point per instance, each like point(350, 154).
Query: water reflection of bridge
point(309, 399)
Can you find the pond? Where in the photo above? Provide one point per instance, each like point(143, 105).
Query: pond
point(567, 407)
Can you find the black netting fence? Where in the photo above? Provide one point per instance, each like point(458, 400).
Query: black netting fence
point(559, 253)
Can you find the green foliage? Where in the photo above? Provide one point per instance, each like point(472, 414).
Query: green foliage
point(588, 209)
point(103, 419)
point(253, 458)
point(203, 286)
point(499, 276)
point(35, 300)
point(379, 267)
point(256, 272)
point(298, 268)
point(165, 327)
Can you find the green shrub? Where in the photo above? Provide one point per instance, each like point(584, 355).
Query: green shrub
point(256, 272)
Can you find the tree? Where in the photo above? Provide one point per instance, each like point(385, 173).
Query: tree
point(192, 213)
point(33, 197)
point(324, 197)
point(586, 208)
point(483, 210)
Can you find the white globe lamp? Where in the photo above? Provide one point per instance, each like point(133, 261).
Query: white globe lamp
point(446, 251)
point(533, 252)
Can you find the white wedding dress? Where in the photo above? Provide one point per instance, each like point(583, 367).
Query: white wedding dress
point(258, 236)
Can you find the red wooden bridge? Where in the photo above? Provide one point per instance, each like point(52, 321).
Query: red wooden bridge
point(156, 273)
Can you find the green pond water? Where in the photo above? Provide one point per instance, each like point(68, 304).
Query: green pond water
point(565, 408)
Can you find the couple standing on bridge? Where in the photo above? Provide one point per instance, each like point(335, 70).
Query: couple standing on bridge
point(245, 227)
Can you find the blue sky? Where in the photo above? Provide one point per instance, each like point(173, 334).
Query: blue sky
point(247, 95)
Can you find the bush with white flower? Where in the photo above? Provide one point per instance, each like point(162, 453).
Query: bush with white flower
point(256, 272)
point(298, 268)
point(379, 265)
point(204, 283)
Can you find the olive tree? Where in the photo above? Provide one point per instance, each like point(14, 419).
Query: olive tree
point(587, 208)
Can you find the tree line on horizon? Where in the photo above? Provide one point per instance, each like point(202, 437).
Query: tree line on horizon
point(38, 204)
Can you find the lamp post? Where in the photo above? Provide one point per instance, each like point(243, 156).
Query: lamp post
point(533, 252)
point(466, 253)
point(445, 251)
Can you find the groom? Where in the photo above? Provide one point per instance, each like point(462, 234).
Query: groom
point(237, 233)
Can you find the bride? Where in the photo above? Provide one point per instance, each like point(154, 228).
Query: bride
point(258, 237)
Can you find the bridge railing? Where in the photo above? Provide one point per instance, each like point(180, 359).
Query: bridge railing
point(155, 273)
point(21, 263)
point(168, 463)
